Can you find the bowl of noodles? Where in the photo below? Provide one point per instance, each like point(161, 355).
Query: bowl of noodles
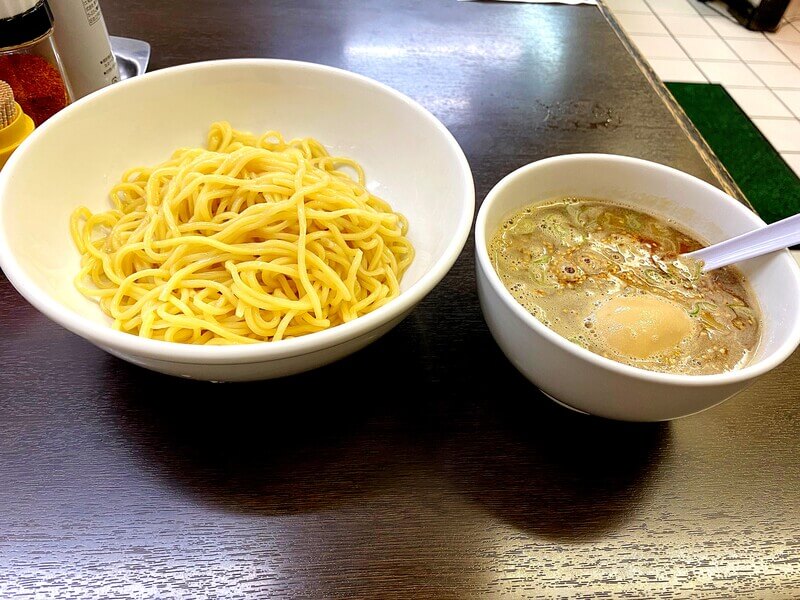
point(235, 220)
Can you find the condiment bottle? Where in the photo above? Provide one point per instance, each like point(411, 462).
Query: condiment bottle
point(29, 59)
point(83, 43)
point(15, 125)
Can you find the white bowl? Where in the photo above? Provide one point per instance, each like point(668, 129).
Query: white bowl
point(410, 159)
point(586, 381)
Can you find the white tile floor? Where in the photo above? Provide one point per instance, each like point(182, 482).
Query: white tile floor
point(686, 40)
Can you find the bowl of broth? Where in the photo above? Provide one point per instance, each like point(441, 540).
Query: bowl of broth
point(584, 287)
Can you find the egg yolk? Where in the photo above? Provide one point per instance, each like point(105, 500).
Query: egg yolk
point(641, 326)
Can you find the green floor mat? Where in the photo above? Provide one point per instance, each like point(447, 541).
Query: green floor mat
point(769, 184)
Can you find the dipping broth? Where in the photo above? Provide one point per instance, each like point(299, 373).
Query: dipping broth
point(608, 278)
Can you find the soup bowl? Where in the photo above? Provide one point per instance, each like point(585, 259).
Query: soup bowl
point(588, 382)
point(76, 157)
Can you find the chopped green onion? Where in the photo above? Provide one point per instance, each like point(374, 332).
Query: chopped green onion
point(741, 310)
point(702, 306)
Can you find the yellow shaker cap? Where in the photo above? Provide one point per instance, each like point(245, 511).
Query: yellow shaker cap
point(14, 134)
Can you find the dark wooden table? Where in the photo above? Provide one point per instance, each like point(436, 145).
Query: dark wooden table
point(120, 483)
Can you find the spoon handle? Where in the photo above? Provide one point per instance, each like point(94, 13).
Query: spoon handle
point(777, 236)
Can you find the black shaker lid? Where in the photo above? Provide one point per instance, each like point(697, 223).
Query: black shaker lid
point(26, 26)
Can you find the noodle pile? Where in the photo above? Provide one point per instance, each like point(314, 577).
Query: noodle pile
point(253, 239)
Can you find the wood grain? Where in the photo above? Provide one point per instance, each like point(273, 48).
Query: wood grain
point(465, 482)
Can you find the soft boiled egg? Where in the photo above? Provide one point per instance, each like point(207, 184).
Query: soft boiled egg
point(641, 326)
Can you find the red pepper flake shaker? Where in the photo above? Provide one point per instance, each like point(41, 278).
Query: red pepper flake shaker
point(29, 59)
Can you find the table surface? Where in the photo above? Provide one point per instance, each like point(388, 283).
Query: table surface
point(120, 483)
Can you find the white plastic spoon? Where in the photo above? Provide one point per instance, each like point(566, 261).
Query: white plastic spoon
point(749, 245)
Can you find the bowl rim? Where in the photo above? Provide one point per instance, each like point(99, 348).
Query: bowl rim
point(775, 358)
point(175, 352)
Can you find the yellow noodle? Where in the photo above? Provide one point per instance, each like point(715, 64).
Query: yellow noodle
point(251, 239)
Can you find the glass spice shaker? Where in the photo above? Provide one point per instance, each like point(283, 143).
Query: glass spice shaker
point(29, 60)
